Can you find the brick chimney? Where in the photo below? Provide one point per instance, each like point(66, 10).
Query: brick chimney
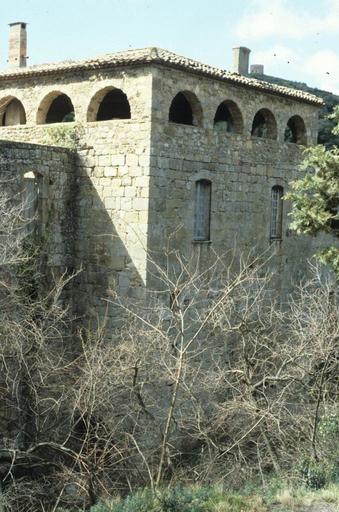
point(241, 57)
point(17, 55)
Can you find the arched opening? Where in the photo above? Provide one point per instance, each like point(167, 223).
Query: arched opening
point(264, 125)
point(295, 131)
point(185, 109)
point(107, 104)
point(228, 118)
point(12, 112)
point(56, 107)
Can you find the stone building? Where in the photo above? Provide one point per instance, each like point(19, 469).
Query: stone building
point(167, 144)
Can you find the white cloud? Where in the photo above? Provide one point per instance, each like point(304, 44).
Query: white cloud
point(323, 67)
point(319, 69)
point(277, 19)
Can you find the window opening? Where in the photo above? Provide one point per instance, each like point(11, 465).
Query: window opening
point(14, 113)
point(32, 195)
point(114, 105)
point(61, 110)
point(202, 210)
point(276, 213)
point(181, 110)
point(295, 131)
point(264, 125)
point(223, 120)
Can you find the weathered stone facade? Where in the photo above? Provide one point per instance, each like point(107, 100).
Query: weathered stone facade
point(53, 169)
point(133, 180)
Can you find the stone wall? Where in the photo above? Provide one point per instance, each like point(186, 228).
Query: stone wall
point(243, 169)
point(134, 179)
point(111, 170)
point(54, 170)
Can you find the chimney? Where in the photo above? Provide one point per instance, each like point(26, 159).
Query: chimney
point(241, 57)
point(257, 69)
point(17, 55)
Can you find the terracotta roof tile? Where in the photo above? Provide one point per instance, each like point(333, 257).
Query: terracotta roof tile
point(162, 57)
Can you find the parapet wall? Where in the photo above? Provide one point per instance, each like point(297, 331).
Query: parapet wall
point(53, 168)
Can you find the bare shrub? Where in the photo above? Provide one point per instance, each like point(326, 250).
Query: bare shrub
point(206, 378)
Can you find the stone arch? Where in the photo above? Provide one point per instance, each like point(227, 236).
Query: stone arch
point(264, 125)
point(185, 109)
point(295, 130)
point(109, 103)
point(56, 107)
point(228, 117)
point(12, 111)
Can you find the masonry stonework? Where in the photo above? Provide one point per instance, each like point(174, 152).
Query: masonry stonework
point(131, 182)
point(53, 167)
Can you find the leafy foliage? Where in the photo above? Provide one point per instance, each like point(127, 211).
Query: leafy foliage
point(68, 136)
point(315, 197)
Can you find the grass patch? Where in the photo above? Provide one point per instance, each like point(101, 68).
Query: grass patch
point(276, 496)
point(303, 497)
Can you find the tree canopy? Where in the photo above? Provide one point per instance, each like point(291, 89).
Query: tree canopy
point(315, 197)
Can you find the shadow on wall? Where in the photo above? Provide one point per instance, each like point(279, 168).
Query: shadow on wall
point(105, 262)
point(78, 231)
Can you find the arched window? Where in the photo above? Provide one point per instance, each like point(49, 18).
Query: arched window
point(276, 212)
point(203, 190)
point(185, 109)
point(56, 107)
point(12, 112)
point(228, 118)
point(264, 125)
point(107, 104)
point(295, 131)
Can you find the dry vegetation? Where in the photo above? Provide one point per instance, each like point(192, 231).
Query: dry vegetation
point(207, 381)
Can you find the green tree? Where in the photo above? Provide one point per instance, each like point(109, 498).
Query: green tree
point(315, 197)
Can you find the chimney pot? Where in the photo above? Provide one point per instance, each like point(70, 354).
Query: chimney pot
point(17, 55)
point(257, 69)
point(241, 57)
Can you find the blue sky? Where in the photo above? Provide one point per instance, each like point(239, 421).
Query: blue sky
point(296, 39)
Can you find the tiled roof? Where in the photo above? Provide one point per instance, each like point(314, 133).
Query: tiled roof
point(163, 57)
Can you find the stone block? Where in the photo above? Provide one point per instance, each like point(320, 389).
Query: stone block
point(110, 171)
point(140, 203)
point(117, 160)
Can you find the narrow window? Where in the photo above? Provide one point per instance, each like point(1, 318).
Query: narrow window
point(32, 190)
point(202, 210)
point(276, 213)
